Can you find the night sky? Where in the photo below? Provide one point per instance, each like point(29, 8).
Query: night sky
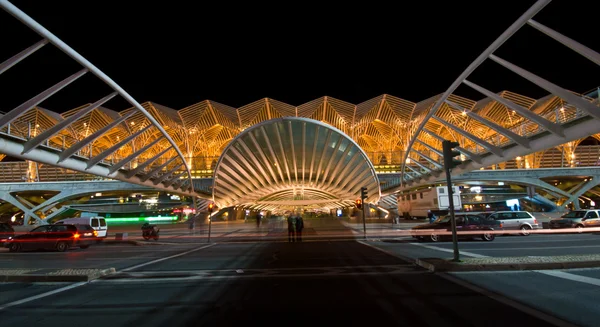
point(177, 53)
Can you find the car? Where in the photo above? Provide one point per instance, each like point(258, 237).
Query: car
point(522, 221)
point(6, 232)
point(97, 223)
point(579, 219)
point(467, 226)
point(58, 237)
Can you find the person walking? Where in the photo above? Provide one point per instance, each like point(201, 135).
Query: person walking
point(299, 228)
point(291, 228)
point(431, 216)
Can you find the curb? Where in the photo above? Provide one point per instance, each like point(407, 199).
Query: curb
point(442, 265)
point(32, 278)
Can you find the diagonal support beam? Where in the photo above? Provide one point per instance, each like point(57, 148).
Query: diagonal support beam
point(166, 175)
point(40, 138)
point(93, 161)
point(571, 98)
point(175, 178)
point(413, 160)
point(435, 163)
point(21, 55)
point(23, 108)
point(492, 148)
point(157, 169)
point(81, 144)
point(145, 164)
point(132, 156)
point(475, 157)
point(438, 152)
point(504, 131)
point(548, 125)
point(572, 44)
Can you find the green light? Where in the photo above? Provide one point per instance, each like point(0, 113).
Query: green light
point(131, 219)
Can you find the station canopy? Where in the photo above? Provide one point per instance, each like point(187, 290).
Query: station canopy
point(293, 162)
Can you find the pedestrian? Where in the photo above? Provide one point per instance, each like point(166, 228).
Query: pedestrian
point(192, 222)
point(431, 216)
point(291, 228)
point(258, 220)
point(299, 228)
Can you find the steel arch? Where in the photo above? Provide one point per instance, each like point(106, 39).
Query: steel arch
point(538, 131)
point(37, 149)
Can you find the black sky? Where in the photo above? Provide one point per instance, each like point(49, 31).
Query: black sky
point(177, 53)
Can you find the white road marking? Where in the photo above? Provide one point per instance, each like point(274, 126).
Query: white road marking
point(72, 286)
point(474, 255)
point(569, 276)
point(169, 257)
point(547, 240)
point(39, 296)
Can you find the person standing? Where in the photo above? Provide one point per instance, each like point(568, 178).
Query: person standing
point(291, 228)
point(299, 228)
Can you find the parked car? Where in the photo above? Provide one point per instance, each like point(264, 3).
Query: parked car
point(516, 220)
point(579, 219)
point(6, 232)
point(97, 223)
point(467, 226)
point(55, 237)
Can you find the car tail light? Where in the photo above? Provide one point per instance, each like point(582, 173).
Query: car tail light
point(535, 221)
point(95, 234)
point(501, 225)
point(76, 235)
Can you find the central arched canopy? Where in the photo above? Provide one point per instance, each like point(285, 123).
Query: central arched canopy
point(293, 161)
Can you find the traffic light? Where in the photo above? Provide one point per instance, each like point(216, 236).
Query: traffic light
point(363, 193)
point(358, 204)
point(211, 206)
point(449, 154)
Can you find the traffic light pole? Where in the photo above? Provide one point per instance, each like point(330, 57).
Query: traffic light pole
point(452, 218)
point(449, 163)
point(364, 221)
point(363, 197)
point(210, 210)
point(209, 225)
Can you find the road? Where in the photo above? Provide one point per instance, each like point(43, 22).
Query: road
point(502, 246)
point(262, 283)
point(327, 280)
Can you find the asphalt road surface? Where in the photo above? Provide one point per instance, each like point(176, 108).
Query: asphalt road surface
point(328, 283)
point(502, 246)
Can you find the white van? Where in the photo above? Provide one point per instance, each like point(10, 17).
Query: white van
point(97, 223)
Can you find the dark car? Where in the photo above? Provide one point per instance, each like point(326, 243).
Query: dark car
point(467, 226)
point(53, 237)
point(6, 232)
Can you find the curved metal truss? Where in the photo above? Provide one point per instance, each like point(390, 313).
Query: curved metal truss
point(68, 141)
point(291, 162)
point(562, 117)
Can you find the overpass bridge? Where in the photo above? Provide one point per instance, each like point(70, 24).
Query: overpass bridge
point(581, 180)
point(578, 182)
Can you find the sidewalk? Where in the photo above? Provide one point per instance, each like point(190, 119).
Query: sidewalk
point(511, 263)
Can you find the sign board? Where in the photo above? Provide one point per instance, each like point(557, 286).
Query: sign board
point(443, 201)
